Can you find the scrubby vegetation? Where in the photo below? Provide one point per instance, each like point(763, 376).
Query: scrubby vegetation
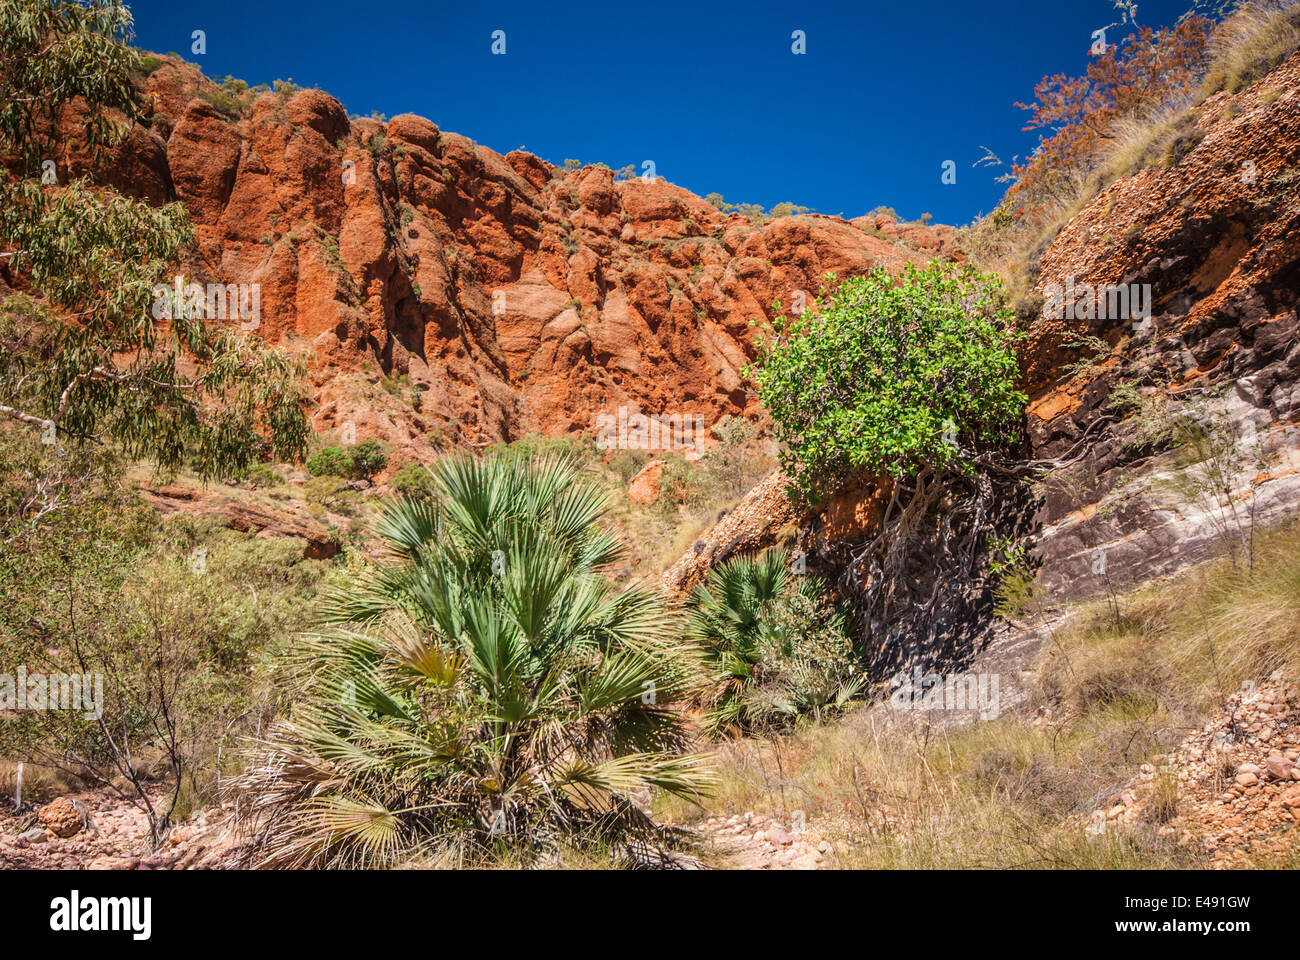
point(755, 212)
point(778, 647)
point(496, 690)
point(918, 792)
point(181, 619)
point(1131, 109)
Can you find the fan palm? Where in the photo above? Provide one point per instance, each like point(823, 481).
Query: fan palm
point(487, 685)
point(775, 647)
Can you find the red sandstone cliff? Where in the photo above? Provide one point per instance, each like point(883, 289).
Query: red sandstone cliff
point(514, 295)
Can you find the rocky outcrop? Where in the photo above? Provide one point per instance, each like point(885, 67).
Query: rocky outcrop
point(1216, 236)
point(644, 487)
point(515, 296)
point(320, 542)
point(763, 518)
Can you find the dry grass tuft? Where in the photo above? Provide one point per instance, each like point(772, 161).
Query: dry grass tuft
point(1254, 40)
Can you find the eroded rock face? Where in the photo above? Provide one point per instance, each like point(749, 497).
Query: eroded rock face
point(515, 296)
point(1217, 238)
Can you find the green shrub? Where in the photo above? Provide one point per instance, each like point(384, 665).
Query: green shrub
point(330, 462)
point(788, 209)
point(682, 482)
point(627, 463)
point(148, 64)
point(890, 374)
point(368, 458)
point(330, 493)
point(413, 481)
point(262, 475)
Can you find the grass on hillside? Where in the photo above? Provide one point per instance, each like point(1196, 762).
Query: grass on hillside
point(1256, 38)
point(1117, 691)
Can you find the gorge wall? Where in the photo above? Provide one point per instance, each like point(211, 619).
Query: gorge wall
point(516, 296)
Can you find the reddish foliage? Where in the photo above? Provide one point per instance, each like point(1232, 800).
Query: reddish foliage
point(1144, 71)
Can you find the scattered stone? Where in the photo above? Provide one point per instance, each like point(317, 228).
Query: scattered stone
point(779, 835)
point(1278, 767)
point(62, 818)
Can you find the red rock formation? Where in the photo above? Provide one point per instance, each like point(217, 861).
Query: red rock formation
point(516, 296)
point(1216, 235)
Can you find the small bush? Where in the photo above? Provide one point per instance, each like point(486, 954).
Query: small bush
point(628, 463)
point(262, 475)
point(413, 481)
point(148, 64)
point(330, 462)
point(368, 458)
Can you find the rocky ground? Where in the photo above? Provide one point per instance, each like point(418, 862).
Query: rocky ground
point(95, 831)
point(761, 842)
point(1231, 789)
point(1237, 783)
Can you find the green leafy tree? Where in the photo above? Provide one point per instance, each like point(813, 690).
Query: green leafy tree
point(493, 688)
point(54, 53)
point(891, 374)
point(90, 360)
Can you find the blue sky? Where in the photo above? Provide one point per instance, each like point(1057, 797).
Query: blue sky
point(709, 91)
